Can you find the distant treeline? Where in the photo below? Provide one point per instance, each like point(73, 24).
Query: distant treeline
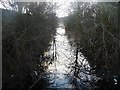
point(26, 35)
point(95, 29)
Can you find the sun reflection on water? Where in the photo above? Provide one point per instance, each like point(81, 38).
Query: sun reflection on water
point(62, 64)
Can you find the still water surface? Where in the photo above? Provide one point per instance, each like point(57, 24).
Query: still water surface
point(60, 71)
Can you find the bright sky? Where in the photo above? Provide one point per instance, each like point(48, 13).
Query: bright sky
point(63, 8)
point(1, 6)
point(64, 5)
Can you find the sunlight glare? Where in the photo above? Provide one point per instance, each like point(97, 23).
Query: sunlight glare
point(62, 10)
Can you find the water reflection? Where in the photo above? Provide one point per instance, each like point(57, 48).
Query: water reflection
point(60, 71)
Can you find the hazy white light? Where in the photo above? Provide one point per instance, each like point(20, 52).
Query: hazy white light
point(1, 6)
point(63, 8)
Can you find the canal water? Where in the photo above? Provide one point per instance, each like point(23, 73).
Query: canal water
point(60, 70)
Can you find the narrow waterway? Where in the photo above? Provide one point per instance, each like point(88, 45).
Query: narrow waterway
point(60, 72)
point(59, 69)
point(63, 66)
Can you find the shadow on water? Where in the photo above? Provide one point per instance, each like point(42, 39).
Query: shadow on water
point(67, 68)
